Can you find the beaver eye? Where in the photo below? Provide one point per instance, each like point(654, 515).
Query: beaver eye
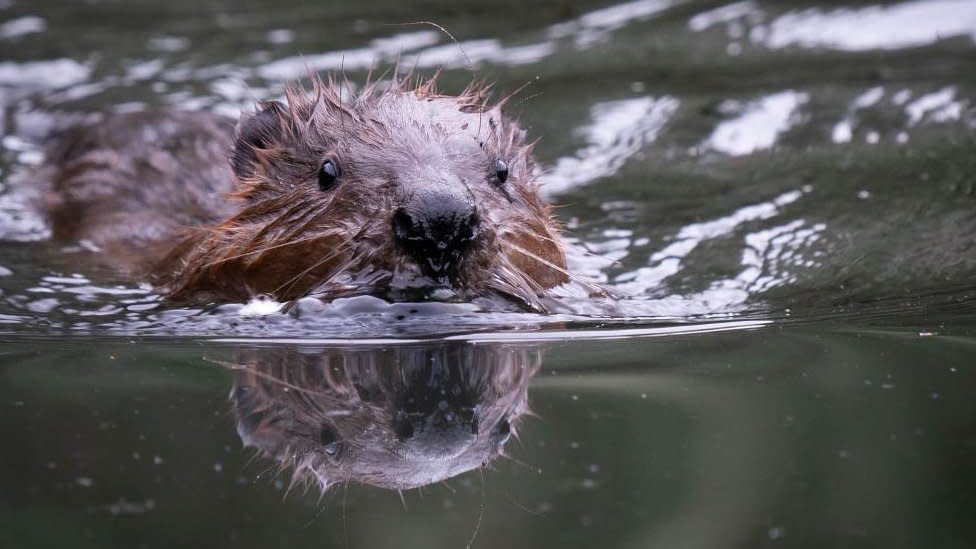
point(331, 444)
point(501, 170)
point(328, 175)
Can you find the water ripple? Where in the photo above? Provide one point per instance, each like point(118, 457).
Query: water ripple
point(888, 27)
point(617, 131)
point(757, 124)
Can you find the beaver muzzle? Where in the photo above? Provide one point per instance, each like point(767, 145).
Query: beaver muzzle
point(435, 229)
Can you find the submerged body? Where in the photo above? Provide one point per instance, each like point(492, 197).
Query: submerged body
point(399, 192)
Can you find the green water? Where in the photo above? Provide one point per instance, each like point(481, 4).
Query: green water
point(782, 195)
point(800, 436)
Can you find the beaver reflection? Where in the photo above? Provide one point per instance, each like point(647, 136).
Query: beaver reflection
point(395, 417)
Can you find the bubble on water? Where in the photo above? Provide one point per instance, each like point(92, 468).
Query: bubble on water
point(724, 14)
point(43, 305)
point(280, 36)
point(168, 43)
point(261, 306)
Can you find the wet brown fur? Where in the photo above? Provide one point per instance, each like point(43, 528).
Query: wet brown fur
point(276, 234)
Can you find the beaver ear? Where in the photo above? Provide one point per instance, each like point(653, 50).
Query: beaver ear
point(258, 131)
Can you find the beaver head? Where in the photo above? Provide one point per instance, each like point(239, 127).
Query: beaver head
point(396, 191)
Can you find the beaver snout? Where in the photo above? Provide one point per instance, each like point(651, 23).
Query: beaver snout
point(435, 229)
point(438, 433)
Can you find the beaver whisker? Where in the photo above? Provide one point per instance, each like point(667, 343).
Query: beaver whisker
point(331, 374)
point(339, 269)
point(511, 291)
point(547, 263)
point(288, 226)
point(268, 377)
point(289, 217)
point(533, 286)
point(356, 256)
point(532, 289)
point(539, 236)
point(260, 251)
point(589, 285)
point(297, 476)
point(510, 282)
point(501, 102)
point(343, 247)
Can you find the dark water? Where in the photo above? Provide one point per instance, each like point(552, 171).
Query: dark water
point(781, 193)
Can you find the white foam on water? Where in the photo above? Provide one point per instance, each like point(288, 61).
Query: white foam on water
point(885, 27)
point(261, 306)
point(722, 14)
point(843, 131)
point(758, 125)
point(617, 131)
point(22, 26)
point(939, 106)
point(596, 26)
point(56, 73)
point(669, 260)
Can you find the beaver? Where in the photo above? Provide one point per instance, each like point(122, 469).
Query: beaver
point(396, 190)
point(394, 417)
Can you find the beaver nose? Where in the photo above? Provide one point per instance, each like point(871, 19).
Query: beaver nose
point(442, 432)
point(435, 229)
